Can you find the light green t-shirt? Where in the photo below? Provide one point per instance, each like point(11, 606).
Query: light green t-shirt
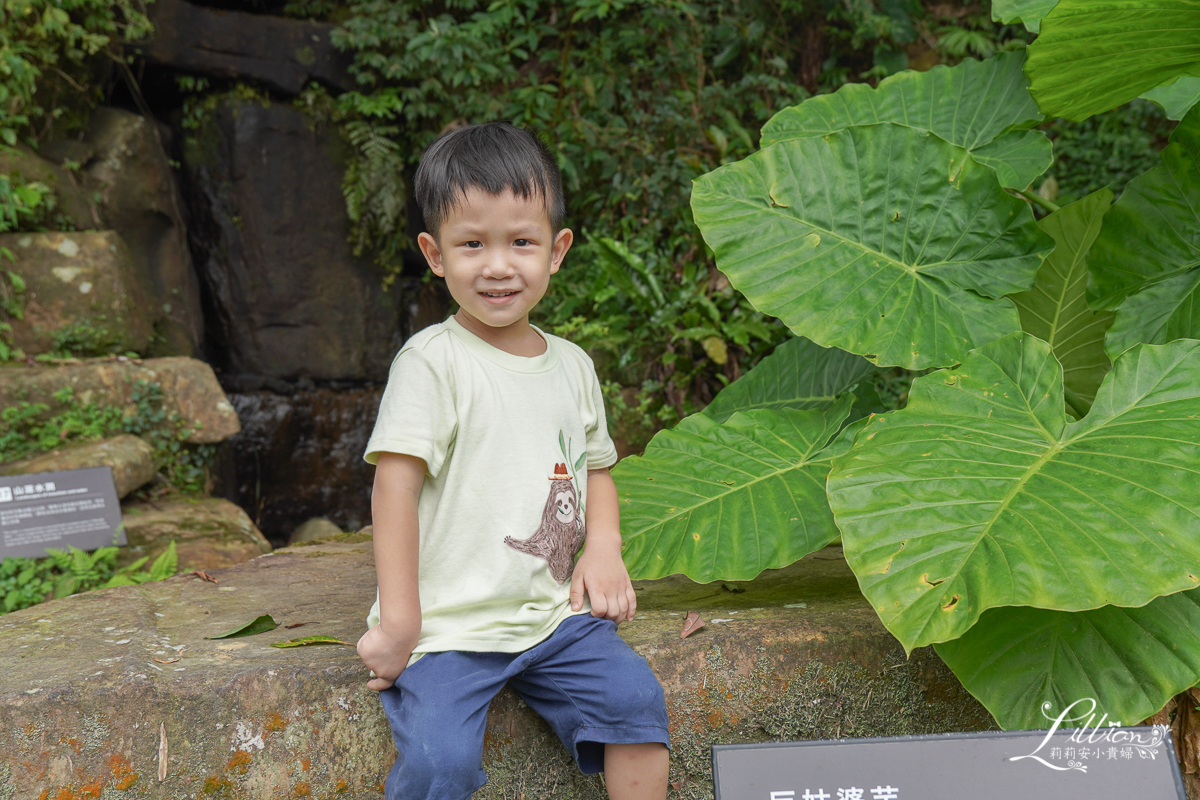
point(507, 442)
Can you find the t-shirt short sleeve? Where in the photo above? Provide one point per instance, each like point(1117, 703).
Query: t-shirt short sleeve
point(416, 415)
point(602, 453)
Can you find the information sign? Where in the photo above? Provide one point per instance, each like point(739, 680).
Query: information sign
point(1103, 763)
point(76, 507)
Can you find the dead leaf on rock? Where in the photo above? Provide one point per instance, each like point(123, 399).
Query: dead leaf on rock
point(162, 752)
point(298, 624)
point(692, 624)
point(166, 660)
point(310, 640)
point(205, 576)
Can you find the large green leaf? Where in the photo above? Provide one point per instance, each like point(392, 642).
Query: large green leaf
point(883, 240)
point(1055, 310)
point(729, 500)
point(980, 494)
point(1131, 661)
point(1163, 313)
point(1153, 230)
point(1094, 55)
point(975, 105)
point(1028, 12)
point(1177, 98)
point(798, 374)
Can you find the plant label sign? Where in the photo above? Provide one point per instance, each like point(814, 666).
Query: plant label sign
point(1113, 763)
point(54, 509)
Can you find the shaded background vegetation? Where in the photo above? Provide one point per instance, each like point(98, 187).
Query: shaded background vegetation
point(635, 97)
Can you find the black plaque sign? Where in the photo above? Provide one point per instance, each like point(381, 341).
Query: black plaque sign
point(1104, 763)
point(54, 509)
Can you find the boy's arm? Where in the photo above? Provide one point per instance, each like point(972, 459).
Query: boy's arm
point(600, 572)
point(386, 648)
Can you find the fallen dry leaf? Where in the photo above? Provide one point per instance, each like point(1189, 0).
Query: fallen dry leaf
point(166, 660)
point(162, 752)
point(205, 576)
point(692, 624)
point(298, 624)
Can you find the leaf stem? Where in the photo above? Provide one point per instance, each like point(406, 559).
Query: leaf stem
point(1080, 406)
point(1037, 200)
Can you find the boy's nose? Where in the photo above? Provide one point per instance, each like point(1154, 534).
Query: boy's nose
point(497, 267)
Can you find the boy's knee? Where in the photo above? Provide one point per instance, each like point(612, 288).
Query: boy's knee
point(445, 770)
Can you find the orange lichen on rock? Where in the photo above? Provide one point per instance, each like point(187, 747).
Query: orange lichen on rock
point(275, 722)
point(122, 772)
point(301, 790)
point(239, 762)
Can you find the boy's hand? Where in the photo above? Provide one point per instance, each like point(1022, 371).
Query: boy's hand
point(384, 656)
point(601, 574)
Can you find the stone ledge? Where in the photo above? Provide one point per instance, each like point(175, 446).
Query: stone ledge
point(798, 654)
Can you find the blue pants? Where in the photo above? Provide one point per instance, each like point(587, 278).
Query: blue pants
point(584, 681)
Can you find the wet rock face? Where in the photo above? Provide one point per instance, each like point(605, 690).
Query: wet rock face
point(287, 297)
point(131, 173)
point(300, 456)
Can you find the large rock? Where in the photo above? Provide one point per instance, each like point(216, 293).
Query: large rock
point(84, 705)
point(82, 284)
point(190, 389)
point(268, 231)
point(285, 54)
point(72, 196)
point(300, 456)
point(131, 459)
point(132, 175)
point(208, 532)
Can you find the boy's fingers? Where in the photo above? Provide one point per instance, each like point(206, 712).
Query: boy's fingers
point(632, 597)
point(577, 591)
point(379, 684)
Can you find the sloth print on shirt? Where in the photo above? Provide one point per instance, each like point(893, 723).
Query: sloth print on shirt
point(561, 532)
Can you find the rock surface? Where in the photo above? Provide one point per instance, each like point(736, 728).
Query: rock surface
point(283, 53)
point(131, 172)
point(300, 456)
point(81, 281)
point(131, 459)
point(268, 227)
point(316, 528)
point(85, 707)
point(208, 532)
point(189, 387)
point(74, 199)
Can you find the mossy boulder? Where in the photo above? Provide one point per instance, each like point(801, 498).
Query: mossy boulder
point(91, 695)
point(208, 532)
point(131, 459)
point(189, 386)
point(81, 292)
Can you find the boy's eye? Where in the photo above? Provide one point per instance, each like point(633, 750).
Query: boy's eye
point(522, 243)
point(473, 244)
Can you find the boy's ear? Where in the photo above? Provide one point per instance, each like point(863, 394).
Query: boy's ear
point(562, 243)
point(433, 253)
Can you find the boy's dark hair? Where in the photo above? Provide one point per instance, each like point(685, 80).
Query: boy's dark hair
point(492, 157)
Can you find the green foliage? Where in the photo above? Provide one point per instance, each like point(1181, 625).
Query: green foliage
point(26, 429)
point(42, 42)
point(636, 98)
point(12, 307)
point(25, 582)
point(1105, 150)
point(1141, 46)
point(1047, 558)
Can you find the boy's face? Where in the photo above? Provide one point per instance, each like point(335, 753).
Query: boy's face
point(497, 254)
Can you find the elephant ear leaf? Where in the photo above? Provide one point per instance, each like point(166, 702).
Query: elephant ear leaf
point(1056, 311)
point(729, 500)
point(798, 374)
point(981, 106)
point(982, 471)
point(1027, 12)
point(1020, 662)
point(911, 240)
point(1139, 46)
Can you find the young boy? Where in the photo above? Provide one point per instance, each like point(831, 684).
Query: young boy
point(492, 462)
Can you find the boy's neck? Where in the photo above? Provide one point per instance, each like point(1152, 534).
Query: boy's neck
point(518, 339)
